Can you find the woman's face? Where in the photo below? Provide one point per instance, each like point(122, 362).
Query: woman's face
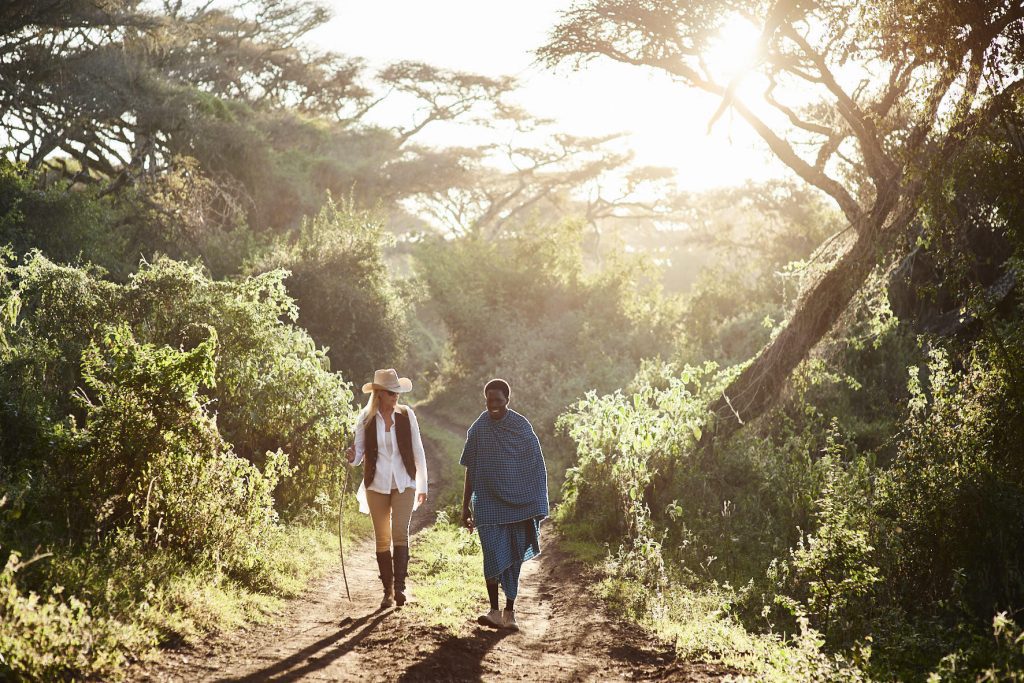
point(387, 399)
point(497, 404)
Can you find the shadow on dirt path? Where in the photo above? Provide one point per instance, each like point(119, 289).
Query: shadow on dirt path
point(319, 655)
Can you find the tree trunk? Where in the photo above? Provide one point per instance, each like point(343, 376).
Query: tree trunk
point(755, 390)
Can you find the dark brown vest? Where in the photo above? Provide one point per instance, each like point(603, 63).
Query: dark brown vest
point(404, 434)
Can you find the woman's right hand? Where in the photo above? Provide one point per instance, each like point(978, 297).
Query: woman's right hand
point(350, 453)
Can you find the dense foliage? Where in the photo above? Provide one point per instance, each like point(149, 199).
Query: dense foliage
point(67, 226)
point(135, 427)
point(348, 298)
point(524, 308)
point(861, 544)
point(878, 511)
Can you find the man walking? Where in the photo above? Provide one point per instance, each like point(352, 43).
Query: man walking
point(505, 497)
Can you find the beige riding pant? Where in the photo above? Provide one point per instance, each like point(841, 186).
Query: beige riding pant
point(391, 514)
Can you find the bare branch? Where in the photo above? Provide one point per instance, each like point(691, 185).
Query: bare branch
point(878, 164)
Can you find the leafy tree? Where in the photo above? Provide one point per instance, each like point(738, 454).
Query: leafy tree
point(117, 93)
point(958, 277)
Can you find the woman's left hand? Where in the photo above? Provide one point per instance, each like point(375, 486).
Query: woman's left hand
point(421, 498)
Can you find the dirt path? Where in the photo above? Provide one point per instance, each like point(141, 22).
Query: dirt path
point(323, 637)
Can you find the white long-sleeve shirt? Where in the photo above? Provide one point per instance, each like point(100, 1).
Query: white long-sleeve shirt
point(390, 473)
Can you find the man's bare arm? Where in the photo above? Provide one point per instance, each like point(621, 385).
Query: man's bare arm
point(467, 495)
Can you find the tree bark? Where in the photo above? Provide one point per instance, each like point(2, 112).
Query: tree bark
point(755, 390)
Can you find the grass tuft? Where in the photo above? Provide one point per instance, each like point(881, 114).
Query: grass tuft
point(446, 576)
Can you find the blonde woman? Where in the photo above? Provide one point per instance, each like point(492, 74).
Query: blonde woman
point(389, 447)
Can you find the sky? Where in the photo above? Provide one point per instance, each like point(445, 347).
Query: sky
point(665, 123)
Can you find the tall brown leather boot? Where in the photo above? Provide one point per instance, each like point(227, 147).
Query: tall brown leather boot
point(401, 571)
point(387, 577)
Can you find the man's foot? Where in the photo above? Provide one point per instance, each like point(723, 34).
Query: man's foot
point(508, 618)
point(492, 619)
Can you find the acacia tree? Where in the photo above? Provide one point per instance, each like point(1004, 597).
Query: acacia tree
point(110, 91)
point(113, 93)
point(508, 183)
point(863, 100)
point(442, 94)
point(540, 174)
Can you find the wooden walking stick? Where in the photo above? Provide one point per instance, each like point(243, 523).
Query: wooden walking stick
point(341, 528)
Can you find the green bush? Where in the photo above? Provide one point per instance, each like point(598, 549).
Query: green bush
point(50, 637)
point(345, 293)
point(149, 457)
point(831, 572)
point(959, 461)
point(726, 514)
point(271, 389)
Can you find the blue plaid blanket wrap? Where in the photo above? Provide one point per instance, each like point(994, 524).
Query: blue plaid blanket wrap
point(510, 493)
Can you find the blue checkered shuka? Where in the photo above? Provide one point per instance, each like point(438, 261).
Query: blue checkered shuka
point(510, 493)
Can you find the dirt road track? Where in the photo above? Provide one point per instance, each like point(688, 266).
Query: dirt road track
point(323, 637)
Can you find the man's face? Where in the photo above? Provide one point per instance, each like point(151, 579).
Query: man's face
point(497, 404)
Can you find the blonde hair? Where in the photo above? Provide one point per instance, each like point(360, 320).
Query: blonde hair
point(372, 406)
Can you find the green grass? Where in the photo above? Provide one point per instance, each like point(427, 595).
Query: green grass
point(194, 603)
point(579, 540)
point(110, 606)
point(447, 576)
point(698, 624)
point(697, 621)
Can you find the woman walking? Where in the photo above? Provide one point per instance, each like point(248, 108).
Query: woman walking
point(389, 447)
point(505, 497)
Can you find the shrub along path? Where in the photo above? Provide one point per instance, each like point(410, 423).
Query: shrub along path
point(565, 635)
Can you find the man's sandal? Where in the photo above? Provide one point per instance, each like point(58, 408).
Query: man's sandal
point(493, 619)
point(509, 619)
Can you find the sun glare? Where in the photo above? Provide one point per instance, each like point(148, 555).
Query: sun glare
point(666, 124)
point(734, 49)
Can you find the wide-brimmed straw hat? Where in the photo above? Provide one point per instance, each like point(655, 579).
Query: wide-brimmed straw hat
point(389, 381)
